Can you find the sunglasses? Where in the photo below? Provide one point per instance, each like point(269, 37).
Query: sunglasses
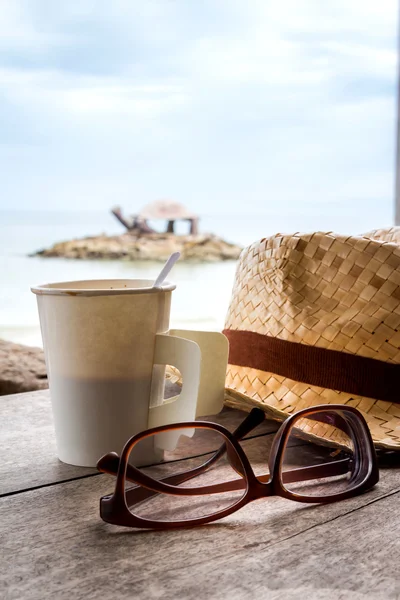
point(318, 455)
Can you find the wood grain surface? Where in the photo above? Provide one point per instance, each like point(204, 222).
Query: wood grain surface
point(54, 544)
point(28, 446)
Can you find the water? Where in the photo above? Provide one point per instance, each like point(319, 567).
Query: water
point(203, 290)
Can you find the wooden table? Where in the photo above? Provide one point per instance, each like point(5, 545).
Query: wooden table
point(54, 545)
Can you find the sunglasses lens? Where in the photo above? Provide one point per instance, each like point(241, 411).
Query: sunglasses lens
point(199, 475)
point(323, 455)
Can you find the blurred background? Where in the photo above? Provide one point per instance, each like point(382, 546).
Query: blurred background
point(260, 116)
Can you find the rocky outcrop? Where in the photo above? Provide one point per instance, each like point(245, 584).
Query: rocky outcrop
point(154, 246)
point(22, 368)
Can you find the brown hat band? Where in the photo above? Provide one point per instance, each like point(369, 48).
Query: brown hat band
point(321, 367)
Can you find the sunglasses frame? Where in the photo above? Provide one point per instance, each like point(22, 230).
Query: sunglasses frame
point(114, 508)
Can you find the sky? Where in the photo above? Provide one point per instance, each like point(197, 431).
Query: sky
point(256, 106)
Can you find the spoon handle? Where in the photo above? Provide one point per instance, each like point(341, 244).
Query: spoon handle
point(166, 269)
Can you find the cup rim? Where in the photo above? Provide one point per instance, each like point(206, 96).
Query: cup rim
point(66, 288)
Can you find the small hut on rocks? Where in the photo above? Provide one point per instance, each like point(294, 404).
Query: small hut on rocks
point(165, 210)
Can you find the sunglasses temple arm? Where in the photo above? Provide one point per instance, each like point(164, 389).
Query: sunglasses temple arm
point(340, 467)
point(337, 467)
point(331, 469)
point(109, 463)
point(138, 494)
point(255, 417)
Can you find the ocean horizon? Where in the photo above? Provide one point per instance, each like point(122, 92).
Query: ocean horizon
point(203, 290)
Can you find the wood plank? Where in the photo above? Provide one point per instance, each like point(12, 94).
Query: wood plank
point(354, 556)
point(28, 446)
point(29, 454)
point(54, 545)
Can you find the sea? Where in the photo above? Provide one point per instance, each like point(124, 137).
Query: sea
point(203, 291)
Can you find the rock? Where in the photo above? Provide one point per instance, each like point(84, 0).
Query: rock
point(22, 368)
point(153, 246)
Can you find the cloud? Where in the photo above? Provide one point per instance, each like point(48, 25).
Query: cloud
point(223, 105)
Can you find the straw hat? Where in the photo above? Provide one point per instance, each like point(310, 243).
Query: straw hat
point(315, 319)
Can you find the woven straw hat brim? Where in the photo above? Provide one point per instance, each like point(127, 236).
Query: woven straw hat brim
point(328, 291)
point(381, 423)
point(323, 435)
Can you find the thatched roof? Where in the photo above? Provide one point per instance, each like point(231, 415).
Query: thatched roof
point(166, 210)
